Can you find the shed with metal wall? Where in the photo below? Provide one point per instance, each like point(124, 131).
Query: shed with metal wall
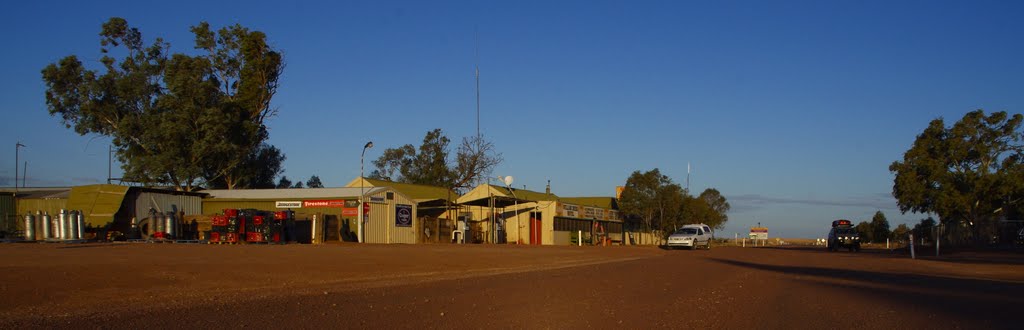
point(49, 200)
point(436, 208)
point(335, 207)
point(8, 212)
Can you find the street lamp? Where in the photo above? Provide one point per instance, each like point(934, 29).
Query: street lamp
point(361, 155)
point(17, 147)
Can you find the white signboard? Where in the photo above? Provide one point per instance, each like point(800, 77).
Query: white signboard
point(288, 204)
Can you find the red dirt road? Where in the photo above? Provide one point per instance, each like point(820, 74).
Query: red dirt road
point(485, 286)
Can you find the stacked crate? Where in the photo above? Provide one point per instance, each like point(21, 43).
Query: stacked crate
point(250, 226)
point(218, 228)
point(224, 228)
point(256, 228)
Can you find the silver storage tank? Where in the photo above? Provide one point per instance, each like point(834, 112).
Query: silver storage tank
point(30, 227)
point(81, 224)
point(62, 224)
point(47, 222)
point(170, 225)
point(72, 230)
point(157, 224)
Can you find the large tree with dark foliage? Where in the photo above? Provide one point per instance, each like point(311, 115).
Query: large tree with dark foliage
point(430, 164)
point(175, 119)
point(709, 208)
point(969, 174)
point(314, 182)
point(654, 199)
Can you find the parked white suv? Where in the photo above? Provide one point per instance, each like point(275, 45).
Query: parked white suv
point(691, 236)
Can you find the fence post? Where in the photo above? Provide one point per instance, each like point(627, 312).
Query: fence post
point(912, 247)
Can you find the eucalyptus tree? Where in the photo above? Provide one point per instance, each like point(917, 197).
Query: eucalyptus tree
point(968, 174)
point(431, 163)
point(654, 199)
point(175, 118)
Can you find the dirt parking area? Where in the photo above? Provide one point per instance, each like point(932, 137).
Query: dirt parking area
point(506, 286)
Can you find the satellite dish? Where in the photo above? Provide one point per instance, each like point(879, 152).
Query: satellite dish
point(508, 180)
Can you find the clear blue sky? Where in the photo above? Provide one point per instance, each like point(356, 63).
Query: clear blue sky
point(793, 110)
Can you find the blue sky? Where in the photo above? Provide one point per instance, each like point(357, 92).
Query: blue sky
point(793, 110)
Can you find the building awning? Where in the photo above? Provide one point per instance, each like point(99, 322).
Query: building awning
point(588, 219)
point(498, 201)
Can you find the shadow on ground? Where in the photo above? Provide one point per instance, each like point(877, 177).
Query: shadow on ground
point(951, 255)
point(987, 302)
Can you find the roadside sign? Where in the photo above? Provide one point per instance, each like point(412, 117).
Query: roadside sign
point(366, 208)
point(758, 232)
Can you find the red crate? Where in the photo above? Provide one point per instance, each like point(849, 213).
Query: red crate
point(214, 237)
point(231, 212)
point(232, 238)
point(257, 220)
point(280, 215)
point(254, 237)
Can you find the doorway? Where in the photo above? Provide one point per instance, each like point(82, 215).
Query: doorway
point(535, 228)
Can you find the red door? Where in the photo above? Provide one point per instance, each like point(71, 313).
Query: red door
point(535, 229)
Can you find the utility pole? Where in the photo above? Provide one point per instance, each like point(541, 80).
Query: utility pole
point(17, 149)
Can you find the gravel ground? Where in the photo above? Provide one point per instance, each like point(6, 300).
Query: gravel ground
point(500, 286)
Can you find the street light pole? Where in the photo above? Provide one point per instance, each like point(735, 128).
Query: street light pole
point(17, 149)
point(361, 215)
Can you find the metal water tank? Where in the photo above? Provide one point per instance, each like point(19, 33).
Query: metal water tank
point(158, 224)
point(72, 229)
point(46, 222)
point(30, 227)
point(81, 224)
point(171, 225)
point(61, 225)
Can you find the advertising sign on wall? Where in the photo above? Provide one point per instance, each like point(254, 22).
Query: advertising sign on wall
point(403, 215)
point(288, 204)
point(338, 203)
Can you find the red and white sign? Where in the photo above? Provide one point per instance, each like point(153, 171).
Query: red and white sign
point(366, 208)
point(337, 203)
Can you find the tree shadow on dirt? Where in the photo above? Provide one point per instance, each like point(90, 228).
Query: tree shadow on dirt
point(990, 302)
point(924, 253)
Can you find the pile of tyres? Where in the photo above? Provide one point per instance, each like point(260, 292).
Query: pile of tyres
point(251, 226)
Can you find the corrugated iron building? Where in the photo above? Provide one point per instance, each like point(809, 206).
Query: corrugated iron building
point(8, 212)
point(530, 217)
point(106, 206)
point(436, 207)
point(392, 217)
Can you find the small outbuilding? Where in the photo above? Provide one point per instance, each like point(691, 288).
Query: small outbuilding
point(436, 207)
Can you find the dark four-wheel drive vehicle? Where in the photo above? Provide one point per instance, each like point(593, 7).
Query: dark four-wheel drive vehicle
point(843, 235)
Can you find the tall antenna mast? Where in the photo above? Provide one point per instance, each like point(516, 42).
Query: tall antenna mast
point(476, 51)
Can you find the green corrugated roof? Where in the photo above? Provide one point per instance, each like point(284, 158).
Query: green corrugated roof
point(603, 202)
point(526, 194)
point(417, 192)
point(99, 202)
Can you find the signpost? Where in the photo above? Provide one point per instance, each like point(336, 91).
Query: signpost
point(759, 233)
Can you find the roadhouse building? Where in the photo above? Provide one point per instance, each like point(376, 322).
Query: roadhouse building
point(328, 214)
point(502, 214)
